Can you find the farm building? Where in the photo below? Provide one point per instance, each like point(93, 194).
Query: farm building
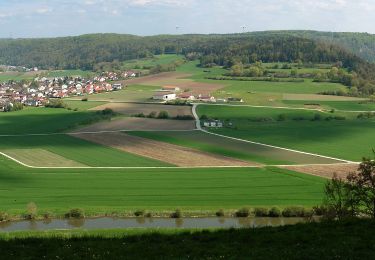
point(213, 123)
point(117, 86)
point(166, 96)
point(186, 96)
point(206, 98)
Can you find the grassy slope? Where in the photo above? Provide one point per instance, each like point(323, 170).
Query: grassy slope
point(349, 139)
point(111, 190)
point(157, 60)
point(347, 240)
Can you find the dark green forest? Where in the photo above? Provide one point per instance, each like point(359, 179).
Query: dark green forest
point(86, 51)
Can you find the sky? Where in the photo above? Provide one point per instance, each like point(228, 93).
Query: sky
point(52, 18)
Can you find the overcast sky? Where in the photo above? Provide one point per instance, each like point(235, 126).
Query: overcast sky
point(50, 18)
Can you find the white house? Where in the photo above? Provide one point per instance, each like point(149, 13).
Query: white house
point(164, 96)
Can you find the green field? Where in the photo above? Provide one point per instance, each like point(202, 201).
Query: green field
point(231, 148)
point(111, 190)
point(42, 120)
point(339, 105)
point(151, 62)
point(132, 93)
point(349, 139)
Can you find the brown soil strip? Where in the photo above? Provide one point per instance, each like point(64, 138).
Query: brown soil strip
point(173, 154)
point(317, 97)
point(179, 80)
point(326, 171)
point(133, 108)
point(139, 124)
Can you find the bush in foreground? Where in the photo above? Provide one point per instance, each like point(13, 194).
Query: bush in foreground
point(261, 212)
point(220, 213)
point(75, 213)
point(242, 213)
point(292, 212)
point(274, 212)
point(176, 214)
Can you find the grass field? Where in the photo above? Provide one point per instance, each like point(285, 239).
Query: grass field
point(151, 62)
point(349, 139)
point(115, 190)
point(41, 120)
point(132, 93)
point(339, 105)
point(231, 148)
point(328, 240)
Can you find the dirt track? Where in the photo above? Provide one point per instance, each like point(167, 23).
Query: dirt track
point(139, 124)
point(326, 171)
point(173, 154)
point(133, 108)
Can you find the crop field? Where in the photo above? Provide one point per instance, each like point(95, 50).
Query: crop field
point(169, 153)
point(317, 97)
point(138, 124)
point(40, 158)
point(348, 139)
point(115, 190)
point(68, 148)
point(232, 148)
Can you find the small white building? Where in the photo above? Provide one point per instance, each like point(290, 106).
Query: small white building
point(164, 96)
point(213, 123)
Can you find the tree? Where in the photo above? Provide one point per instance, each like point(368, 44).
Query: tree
point(364, 181)
point(335, 198)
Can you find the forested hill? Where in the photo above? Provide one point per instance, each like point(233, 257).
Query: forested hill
point(85, 51)
point(361, 44)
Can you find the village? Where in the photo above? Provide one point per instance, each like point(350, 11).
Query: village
point(41, 89)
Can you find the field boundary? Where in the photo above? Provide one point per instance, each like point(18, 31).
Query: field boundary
point(161, 167)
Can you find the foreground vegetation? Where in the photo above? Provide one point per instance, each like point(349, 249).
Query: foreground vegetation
point(343, 240)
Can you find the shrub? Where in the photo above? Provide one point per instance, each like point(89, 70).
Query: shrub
point(220, 213)
point(317, 117)
point(75, 213)
point(176, 214)
point(152, 115)
point(260, 212)
point(293, 212)
point(56, 103)
point(319, 210)
point(163, 115)
point(242, 213)
point(85, 99)
point(139, 115)
point(148, 215)
point(4, 216)
point(47, 215)
point(204, 117)
point(281, 117)
point(139, 213)
point(274, 212)
point(32, 211)
point(108, 112)
point(184, 117)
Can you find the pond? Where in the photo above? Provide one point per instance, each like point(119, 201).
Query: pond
point(123, 223)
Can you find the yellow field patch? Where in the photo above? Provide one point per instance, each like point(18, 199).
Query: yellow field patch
point(41, 158)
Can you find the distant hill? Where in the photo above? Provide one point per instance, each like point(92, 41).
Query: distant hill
point(361, 44)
